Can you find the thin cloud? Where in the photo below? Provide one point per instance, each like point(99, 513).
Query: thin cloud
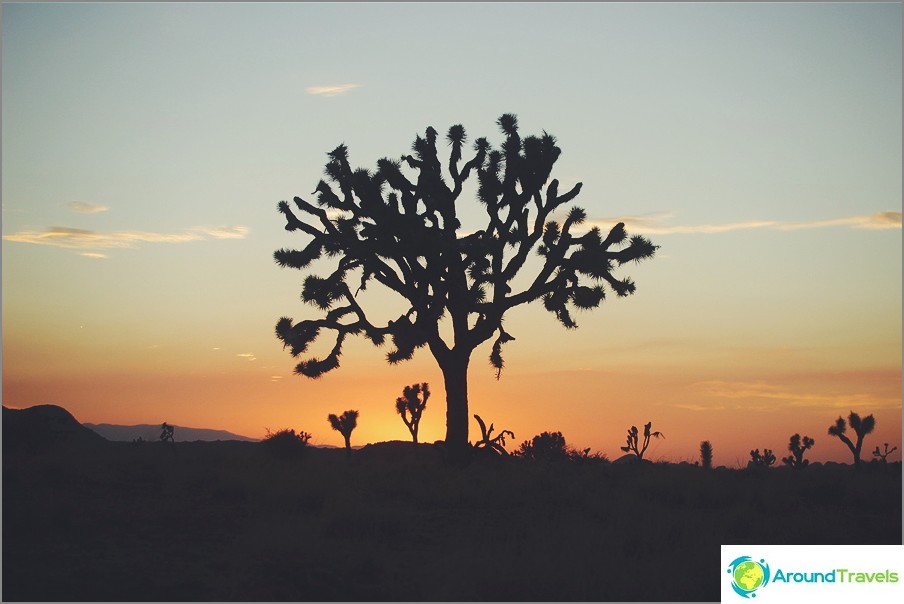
point(784, 396)
point(84, 207)
point(331, 90)
point(93, 255)
point(658, 224)
point(69, 238)
point(248, 356)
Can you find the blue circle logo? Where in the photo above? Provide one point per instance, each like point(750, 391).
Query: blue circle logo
point(748, 575)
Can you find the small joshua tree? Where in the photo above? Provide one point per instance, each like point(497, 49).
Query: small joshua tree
point(167, 433)
point(632, 441)
point(884, 454)
point(411, 405)
point(761, 461)
point(488, 442)
point(861, 428)
point(798, 447)
point(706, 454)
point(345, 424)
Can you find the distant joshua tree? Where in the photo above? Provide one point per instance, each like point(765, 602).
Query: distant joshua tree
point(798, 447)
point(167, 433)
point(632, 441)
point(411, 405)
point(488, 442)
point(706, 454)
point(884, 454)
point(861, 428)
point(345, 424)
point(285, 443)
point(761, 461)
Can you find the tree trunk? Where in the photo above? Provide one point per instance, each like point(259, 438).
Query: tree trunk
point(348, 444)
point(455, 378)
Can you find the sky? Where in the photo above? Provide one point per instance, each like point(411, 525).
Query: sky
point(145, 148)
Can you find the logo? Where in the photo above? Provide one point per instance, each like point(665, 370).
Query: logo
point(748, 575)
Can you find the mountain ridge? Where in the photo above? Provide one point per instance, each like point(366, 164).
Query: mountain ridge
point(151, 432)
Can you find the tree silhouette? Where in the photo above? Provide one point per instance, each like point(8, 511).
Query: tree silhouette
point(798, 447)
point(167, 433)
point(861, 428)
point(345, 424)
point(405, 234)
point(883, 455)
point(411, 405)
point(632, 441)
point(489, 442)
point(764, 460)
point(286, 443)
point(706, 454)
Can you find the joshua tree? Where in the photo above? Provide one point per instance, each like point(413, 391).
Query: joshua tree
point(798, 447)
point(411, 405)
point(706, 454)
point(861, 428)
point(632, 441)
point(489, 442)
point(167, 433)
point(405, 233)
point(884, 454)
point(763, 461)
point(344, 424)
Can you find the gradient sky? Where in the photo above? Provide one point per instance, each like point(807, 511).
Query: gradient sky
point(145, 147)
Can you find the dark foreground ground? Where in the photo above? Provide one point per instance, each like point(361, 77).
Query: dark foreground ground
point(226, 521)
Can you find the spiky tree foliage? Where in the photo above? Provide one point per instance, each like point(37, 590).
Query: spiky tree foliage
point(761, 460)
point(798, 447)
point(411, 405)
point(706, 454)
point(634, 446)
point(399, 225)
point(488, 442)
point(861, 427)
point(167, 433)
point(883, 454)
point(345, 424)
point(285, 443)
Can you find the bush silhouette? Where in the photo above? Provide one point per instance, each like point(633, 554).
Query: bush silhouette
point(764, 460)
point(490, 443)
point(861, 429)
point(285, 443)
point(633, 446)
point(706, 454)
point(798, 447)
point(411, 405)
point(404, 233)
point(548, 446)
point(345, 424)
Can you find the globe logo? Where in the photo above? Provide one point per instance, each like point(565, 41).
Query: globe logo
point(748, 575)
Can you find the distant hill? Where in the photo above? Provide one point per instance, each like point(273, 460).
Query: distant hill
point(38, 427)
point(151, 432)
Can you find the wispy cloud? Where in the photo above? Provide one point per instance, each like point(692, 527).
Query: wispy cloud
point(84, 207)
point(659, 224)
point(69, 238)
point(785, 396)
point(97, 255)
point(331, 90)
point(248, 356)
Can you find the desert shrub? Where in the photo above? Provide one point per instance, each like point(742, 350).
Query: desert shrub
point(706, 454)
point(285, 443)
point(548, 446)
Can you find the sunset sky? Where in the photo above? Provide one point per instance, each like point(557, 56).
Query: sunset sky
point(145, 148)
